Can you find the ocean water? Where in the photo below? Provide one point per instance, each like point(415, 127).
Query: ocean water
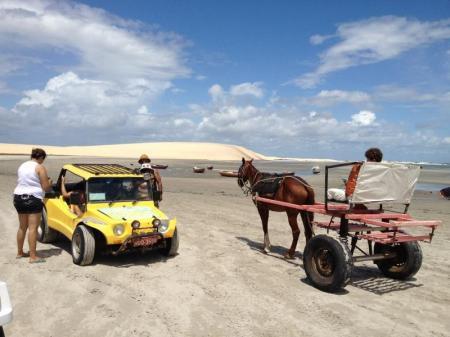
point(430, 187)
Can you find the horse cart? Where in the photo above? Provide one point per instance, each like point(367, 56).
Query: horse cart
point(328, 260)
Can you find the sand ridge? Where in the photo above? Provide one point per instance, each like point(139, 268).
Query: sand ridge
point(160, 150)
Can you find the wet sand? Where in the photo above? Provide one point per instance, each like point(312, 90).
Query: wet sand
point(220, 284)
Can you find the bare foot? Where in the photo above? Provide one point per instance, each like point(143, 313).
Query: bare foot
point(37, 260)
point(22, 254)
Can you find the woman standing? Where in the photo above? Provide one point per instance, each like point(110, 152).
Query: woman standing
point(32, 183)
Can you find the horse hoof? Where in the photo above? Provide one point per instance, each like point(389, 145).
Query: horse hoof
point(266, 250)
point(289, 256)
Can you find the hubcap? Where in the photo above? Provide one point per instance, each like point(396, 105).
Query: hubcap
point(324, 262)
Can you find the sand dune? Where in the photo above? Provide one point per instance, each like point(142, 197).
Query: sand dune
point(167, 150)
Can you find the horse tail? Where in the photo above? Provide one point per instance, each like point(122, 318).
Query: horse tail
point(310, 200)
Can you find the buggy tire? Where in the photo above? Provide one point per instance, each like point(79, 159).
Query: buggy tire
point(171, 244)
point(328, 263)
point(405, 265)
point(2, 333)
point(83, 245)
point(45, 234)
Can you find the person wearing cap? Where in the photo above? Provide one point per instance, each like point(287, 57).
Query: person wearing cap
point(145, 159)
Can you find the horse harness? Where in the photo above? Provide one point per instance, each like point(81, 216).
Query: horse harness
point(268, 185)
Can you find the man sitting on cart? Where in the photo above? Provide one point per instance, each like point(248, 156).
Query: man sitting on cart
point(373, 154)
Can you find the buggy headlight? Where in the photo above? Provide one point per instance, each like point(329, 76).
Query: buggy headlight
point(118, 229)
point(135, 224)
point(156, 222)
point(164, 226)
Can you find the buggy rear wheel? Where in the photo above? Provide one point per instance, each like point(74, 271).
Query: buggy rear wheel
point(83, 245)
point(328, 263)
point(405, 264)
point(45, 234)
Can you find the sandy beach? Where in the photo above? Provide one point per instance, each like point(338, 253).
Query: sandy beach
point(220, 283)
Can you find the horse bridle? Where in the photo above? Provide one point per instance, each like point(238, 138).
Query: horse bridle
point(245, 186)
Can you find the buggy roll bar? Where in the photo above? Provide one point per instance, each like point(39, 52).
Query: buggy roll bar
point(327, 167)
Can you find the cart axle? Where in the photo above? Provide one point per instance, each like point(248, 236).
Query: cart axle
point(374, 257)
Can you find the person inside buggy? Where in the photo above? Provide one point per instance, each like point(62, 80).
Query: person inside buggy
point(74, 198)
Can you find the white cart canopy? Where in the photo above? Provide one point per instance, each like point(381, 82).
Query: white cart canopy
point(383, 182)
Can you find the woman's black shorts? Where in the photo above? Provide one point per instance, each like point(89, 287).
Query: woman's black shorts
point(27, 204)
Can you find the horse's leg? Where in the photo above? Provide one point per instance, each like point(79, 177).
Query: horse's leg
point(292, 218)
point(307, 225)
point(264, 214)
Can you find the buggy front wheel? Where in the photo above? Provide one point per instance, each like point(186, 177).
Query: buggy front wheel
point(171, 245)
point(328, 263)
point(405, 264)
point(83, 245)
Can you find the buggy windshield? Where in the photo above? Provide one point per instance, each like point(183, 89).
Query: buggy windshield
point(117, 189)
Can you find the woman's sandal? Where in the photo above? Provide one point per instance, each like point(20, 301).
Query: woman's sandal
point(38, 260)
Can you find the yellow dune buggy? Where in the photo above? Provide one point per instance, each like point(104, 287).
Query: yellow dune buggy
point(106, 208)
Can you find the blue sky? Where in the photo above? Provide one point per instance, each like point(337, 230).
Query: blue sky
point(288, 78)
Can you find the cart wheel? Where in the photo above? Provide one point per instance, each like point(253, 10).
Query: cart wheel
point(45, 234)
point(328, 263)
point(407, 262)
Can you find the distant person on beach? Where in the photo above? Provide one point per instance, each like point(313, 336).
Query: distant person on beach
point(32, 183)
point(157, 181)
point(74, 207)
point(372, 155)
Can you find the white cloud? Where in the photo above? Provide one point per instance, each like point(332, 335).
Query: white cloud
point(143, 110)
point(200, 77)
point(247, 88)
point(363, 118)
point(373, 40)
point(216, 92)
point(183, 122)
point(447, 140)
point(67, 101)
point(329, 97)
point(112, 70)
point(405, 94)
point(319, 39)
point(105, 46)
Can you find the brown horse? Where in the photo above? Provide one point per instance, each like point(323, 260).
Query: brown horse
point(291, 189)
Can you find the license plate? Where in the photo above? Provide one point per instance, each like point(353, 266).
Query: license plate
point(143, 231)
point(145, 241)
